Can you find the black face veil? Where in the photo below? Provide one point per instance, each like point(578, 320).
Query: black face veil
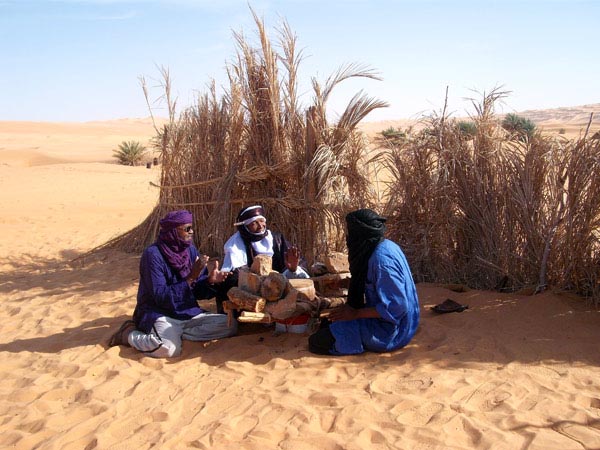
point(366, 230)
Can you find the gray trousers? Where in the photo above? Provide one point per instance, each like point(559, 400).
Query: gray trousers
point(165, 339)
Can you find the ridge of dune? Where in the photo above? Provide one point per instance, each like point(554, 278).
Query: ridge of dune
point(563, 114)
point(39, 143)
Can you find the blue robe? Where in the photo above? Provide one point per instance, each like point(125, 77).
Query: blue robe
point(162, 292)
point(391, 290)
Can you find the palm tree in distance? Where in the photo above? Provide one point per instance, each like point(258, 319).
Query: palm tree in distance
point(130, 153)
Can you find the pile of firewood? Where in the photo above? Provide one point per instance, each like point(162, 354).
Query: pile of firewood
point(264, 295)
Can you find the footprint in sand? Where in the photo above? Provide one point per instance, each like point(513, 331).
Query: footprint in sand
point(322, 399)
point(394, 384)
point(421, 415)
point(228, 403)
point(372, 438)
point(33, 426)
point(242, 426)
point(327, 419)
point(545, 372)
point(26, 395)
point(160, 416)
point(585, 401)
point(585, 436)
point(529, 403)
point(122, 428)
point(67, 392)
point(488, 396)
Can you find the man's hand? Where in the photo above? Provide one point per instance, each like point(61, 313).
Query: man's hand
point(197, 269)
point(292, 258)
point(340, 313)
point(346, 312)
point(214, 274)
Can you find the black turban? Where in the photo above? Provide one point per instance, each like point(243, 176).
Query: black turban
point(365, 230)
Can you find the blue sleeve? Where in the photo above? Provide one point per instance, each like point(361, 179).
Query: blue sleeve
point(388, 291)
point(169, 293)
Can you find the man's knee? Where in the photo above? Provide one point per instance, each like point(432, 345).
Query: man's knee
point(168, 349)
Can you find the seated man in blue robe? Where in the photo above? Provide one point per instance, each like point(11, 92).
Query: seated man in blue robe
point(382, 311)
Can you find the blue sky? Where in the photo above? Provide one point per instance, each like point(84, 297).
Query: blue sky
point(80, 60)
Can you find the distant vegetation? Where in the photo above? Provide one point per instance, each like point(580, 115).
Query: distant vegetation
point(393, 133)
point(519, 126)
point(467, 128)
point(130, 153)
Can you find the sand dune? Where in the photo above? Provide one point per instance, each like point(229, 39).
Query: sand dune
point(573, 114)
point(510, 372)
point(42, 143)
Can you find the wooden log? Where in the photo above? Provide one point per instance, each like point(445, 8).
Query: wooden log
point(324, 314)
point(262, 265)
point(247, 316)
point(303, 308)
point(318, 269)
point(274, 286)
point(337, 262)
point(249, 281)
point(332, 284)
point(245, 300)
point(300, 299)
point(229, 308)
point(284, 308)
point(331, 302)
point(305, 288)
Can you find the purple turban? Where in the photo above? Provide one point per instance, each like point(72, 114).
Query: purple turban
point(173, 248)
point(174, 219)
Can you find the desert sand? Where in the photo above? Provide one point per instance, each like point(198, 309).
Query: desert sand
point(511, 372)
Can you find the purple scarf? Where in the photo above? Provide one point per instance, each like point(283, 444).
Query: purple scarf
point(173, 248)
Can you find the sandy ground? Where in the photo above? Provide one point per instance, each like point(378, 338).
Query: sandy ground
point(511, 372)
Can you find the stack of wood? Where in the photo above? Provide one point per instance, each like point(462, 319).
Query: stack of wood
point(265, 296)
point(331, 279)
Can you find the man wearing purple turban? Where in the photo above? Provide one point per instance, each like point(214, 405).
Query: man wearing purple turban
point(172, 276)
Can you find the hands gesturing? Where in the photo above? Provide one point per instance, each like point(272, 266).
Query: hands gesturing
point(197, 268)
point(214, 274)
point(292, 258)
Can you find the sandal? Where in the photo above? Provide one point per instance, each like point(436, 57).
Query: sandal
point(448, 306)
point(119, 337)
